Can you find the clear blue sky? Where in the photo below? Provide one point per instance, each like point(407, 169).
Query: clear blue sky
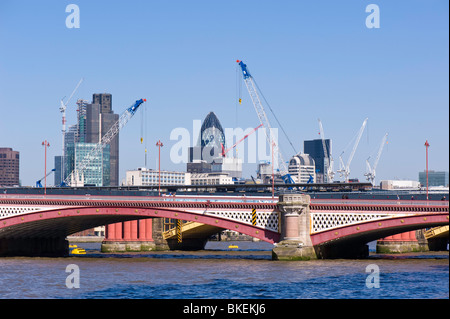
point(312, 59)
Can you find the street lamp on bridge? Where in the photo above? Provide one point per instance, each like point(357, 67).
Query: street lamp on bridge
point(159, 144)
point(427, 145)
point(45, 144)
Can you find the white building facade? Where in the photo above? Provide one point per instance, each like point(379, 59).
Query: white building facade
point(399, 184)
point(150, 177)
point(302, 168)
point(211, 179)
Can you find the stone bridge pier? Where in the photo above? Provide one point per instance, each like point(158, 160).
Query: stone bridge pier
point(295, 242)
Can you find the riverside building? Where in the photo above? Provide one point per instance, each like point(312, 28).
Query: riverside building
point(9, 167)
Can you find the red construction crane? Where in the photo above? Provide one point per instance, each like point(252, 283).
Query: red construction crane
point(224, 151)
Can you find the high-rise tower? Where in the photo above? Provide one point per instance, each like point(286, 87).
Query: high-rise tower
point(208, 146)
point(206, 156)
point(99, 119)
point(315, 149)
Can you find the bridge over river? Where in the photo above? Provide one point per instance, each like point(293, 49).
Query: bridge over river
point(301, 227)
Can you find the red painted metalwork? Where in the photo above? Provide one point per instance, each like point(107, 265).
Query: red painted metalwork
point(84, 211)
point(16, 223)
point(389, 226)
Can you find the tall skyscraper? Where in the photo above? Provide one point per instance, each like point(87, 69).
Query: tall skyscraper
point(9, 167)
point(70, 139)
point(208, 147)
point(58, 170)
point(93, 121)
point(81, 120)
point(315, 149)
point(99, 119)
point(206, 156)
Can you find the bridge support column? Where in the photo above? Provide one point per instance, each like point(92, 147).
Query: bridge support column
point(34, 247)
point(295, 241)
point(133, 236)
point(412, 241)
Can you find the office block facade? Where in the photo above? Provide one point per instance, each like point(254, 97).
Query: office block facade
point(58, 170)
point(150, 177)
point(93, 121)
point(99, 119)
point(315, 149)
point(302, 168)
point(97, 173)
point(435, 178)
point(9, 167)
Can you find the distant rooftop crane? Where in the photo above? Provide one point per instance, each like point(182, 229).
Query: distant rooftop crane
point(252, 90)
point(371, 171)
point(225, 151)
point(62, 109)
point(345, 168)
point(38, 183)
point(73, 178)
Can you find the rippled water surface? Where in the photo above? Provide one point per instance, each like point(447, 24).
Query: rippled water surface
point(247, 273)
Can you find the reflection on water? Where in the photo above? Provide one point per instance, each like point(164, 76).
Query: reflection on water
point(247, 273)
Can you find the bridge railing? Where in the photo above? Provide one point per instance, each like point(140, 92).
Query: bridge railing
point(164, 198)
point(386, 202)
point(230, 199)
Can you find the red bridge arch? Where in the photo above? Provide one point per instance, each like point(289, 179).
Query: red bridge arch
point(65, 221)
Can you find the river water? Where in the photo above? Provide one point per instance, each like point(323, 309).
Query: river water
point(244, 273)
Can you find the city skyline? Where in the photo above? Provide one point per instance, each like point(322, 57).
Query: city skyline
point(311, 60)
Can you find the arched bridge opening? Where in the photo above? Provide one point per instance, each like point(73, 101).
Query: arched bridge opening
point(351, 241)
point(55, 225)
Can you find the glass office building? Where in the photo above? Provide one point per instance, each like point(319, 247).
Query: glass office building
point(93, 121)
point(315, 149)
point(97, 173)
point(435, 178)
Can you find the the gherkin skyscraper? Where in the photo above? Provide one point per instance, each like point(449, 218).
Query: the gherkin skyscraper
point(211, 132)
point(209, 145)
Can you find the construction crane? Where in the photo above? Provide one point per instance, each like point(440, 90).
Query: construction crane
point(62, 109)
point(77, 173)
point(252, 90)
point(345, 169)
point(38, 183)
point(371, 171)
point(329, 160)
point(225, 151)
